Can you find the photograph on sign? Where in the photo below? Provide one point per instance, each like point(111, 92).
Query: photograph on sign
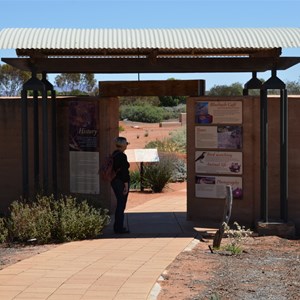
point(83, 126)
point(215, 186)
point(219, 137)
point(212, 162)
point(218, 112)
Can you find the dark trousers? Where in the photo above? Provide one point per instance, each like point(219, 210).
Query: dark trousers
point(118, 188)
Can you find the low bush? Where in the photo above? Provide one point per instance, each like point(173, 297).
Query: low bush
point(135, 179)
point(31, 220)
point(158, 175)
point(145, 113)
point(46, 219)
point(77, 221)
point(236, 237)
point(179, 172)
point(176, 143)
point(3, 231)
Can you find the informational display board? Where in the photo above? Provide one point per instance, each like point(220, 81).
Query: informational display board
point(218, 148)
point(84, 167)
point(218, 112)
point(219, 137)
point(142, 155)
point(83, 147)
point(219, 162)
point(215, 186)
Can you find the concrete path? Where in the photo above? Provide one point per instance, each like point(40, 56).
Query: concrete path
point(118, 267)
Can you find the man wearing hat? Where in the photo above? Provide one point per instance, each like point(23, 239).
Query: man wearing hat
point(120, 184)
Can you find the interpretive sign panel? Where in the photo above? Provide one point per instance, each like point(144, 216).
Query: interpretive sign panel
point(215, 186)
point(83, 147)
point(84, 177)
point(218, 112)
point(219, 137)
point(218, 162)
point(142, 155)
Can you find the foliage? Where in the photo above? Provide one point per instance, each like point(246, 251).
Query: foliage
point(179, 172)
point(46, 219)
point(77, 221)
point(31, 220)
point(173, 112)
point(75, 83)
point(145, 113)
point(135, 179)
point(12, 80)
point(133, 100)
point(235, 89)
point(175, 143)
point(236, 237)
point(293, 87)
point(3, 231)
point(158, 175)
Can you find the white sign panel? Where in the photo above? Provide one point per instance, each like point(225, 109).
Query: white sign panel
point(219, 137)
point(84, 177)
point(142, 155)
point(212, 162)
point(215, 186)
point(218, 112)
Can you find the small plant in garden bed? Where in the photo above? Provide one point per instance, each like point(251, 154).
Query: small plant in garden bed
point(236, 238)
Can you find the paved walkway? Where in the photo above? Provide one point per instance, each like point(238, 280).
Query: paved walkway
point(118, 267)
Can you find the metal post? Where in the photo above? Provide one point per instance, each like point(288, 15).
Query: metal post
point(25, 179)
point(36, 141)
point(54, 144)
point(45, 141)
point(264, 154)
point(142, 176)
point(283, 155)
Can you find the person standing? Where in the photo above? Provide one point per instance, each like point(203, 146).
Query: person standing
point(120, 184)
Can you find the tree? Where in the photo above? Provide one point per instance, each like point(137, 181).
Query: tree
point(235, 89)
point(293, 87)
point(75, 83)
point(12, 80)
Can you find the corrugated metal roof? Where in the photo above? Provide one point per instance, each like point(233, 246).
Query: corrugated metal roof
point(172, 39)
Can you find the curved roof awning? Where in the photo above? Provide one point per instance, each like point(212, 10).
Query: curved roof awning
point(150, 50)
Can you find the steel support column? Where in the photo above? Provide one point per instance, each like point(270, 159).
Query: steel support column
point(36, 141)
point(25, 171)
point(264, 154)
point(45, 141)
point(283, 155)
point(54, 143)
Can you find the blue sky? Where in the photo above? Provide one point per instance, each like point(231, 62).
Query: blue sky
point(157, 14)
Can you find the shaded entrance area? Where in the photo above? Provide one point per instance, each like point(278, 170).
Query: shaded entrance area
point(183, 56)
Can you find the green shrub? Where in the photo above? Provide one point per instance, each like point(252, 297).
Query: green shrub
point(31, 220)
point(135, 180)
point(145, 113)
point(46, 219)
point(173, 112)
point(3, 231)
point(158, 175)
point(143, 100)
point(179, 170)
point(76, 221)
point(175, 143)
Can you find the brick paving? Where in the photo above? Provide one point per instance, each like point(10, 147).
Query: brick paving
point(116, 267)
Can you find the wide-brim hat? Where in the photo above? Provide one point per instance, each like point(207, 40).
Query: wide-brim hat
point(121, 141)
